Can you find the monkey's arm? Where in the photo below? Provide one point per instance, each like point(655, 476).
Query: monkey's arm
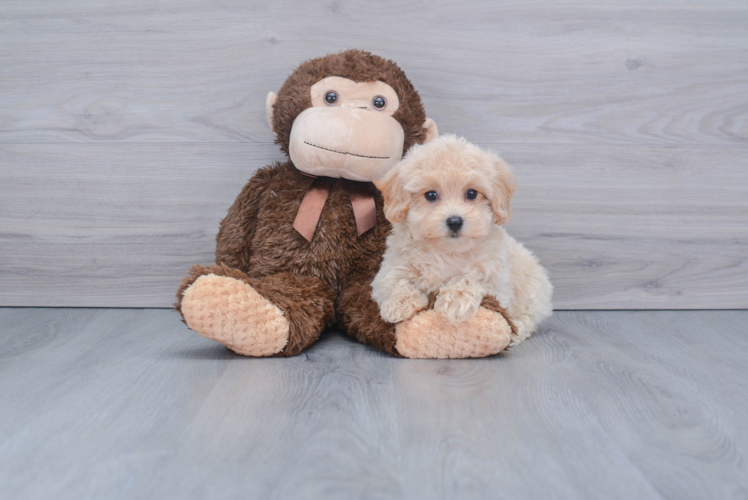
point(235, 234)
point(277, 314)
point(237, 229)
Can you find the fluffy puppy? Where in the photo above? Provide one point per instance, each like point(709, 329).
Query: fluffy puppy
point(446, 201)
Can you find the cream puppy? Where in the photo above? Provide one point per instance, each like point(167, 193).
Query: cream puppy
point(447, 200)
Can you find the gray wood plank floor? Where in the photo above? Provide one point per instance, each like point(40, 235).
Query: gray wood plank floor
point(130, 404)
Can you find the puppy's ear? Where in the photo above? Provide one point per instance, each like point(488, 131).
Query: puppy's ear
point(396, 200)
point(503, 189)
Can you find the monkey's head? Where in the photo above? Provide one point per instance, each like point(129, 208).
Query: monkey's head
point(350, 115)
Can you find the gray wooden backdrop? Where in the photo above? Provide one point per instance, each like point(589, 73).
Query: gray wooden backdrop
point(128, 127)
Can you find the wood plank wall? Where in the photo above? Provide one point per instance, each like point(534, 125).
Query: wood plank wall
point(127, 128)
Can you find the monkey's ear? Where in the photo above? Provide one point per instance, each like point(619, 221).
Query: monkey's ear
point(431, 131)
point(503, 189)
point(396, 200)
point(269, 103)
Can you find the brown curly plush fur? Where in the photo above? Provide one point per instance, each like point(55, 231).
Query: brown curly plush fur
point(328, 280)
point(257, 244)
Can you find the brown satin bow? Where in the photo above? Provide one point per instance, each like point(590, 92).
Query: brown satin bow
point(310, 210)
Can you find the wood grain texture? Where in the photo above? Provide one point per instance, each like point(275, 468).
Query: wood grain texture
point(130, 404)
point(558, 72)
point(118, 225)
point(127, 128)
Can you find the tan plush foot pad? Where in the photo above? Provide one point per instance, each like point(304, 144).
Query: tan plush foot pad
point(231, 312)
point(427, 335)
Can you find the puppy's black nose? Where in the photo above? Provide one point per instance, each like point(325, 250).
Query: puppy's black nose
point(454, 223)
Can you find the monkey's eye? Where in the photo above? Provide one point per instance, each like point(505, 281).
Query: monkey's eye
point(471, 194)
point(431, 195)
point(331, 97)
point(379, 102)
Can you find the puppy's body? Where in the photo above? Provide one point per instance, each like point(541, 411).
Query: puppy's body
point(501, 267)
point(425, 254)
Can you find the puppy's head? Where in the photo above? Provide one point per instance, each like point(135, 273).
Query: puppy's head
point(449, 192)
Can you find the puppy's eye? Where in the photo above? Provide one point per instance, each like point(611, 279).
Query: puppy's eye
point(471, 194)
point(331, 97)
point(431, 195)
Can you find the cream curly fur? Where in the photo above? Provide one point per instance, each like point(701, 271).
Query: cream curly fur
point(424, 256)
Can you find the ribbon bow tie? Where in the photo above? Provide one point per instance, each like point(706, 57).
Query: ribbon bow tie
point(310, 210)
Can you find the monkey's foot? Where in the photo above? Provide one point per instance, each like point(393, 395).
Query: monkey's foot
point(231, 312)
point(428, 335)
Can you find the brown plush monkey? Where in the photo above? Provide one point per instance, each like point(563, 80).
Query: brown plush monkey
point(303, 240)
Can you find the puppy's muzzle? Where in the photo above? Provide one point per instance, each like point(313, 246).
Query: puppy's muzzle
point(454, 224)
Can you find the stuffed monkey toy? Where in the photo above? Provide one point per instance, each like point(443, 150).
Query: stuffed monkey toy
point(300, 246)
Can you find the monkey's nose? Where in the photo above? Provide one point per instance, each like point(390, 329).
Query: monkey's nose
point(454, 223)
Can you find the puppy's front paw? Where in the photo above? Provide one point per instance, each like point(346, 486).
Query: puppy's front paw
point(457, 304)
point(403, 305)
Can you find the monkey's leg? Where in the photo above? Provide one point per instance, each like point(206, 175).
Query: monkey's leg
point(276, 315)
point(428, 335)
point(359, 315)
point(425, 335)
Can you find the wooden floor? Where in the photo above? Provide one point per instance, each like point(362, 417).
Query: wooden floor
point(107, 403)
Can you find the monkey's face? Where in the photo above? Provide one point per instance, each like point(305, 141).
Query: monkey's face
point(349, 131)
point(350, 115)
